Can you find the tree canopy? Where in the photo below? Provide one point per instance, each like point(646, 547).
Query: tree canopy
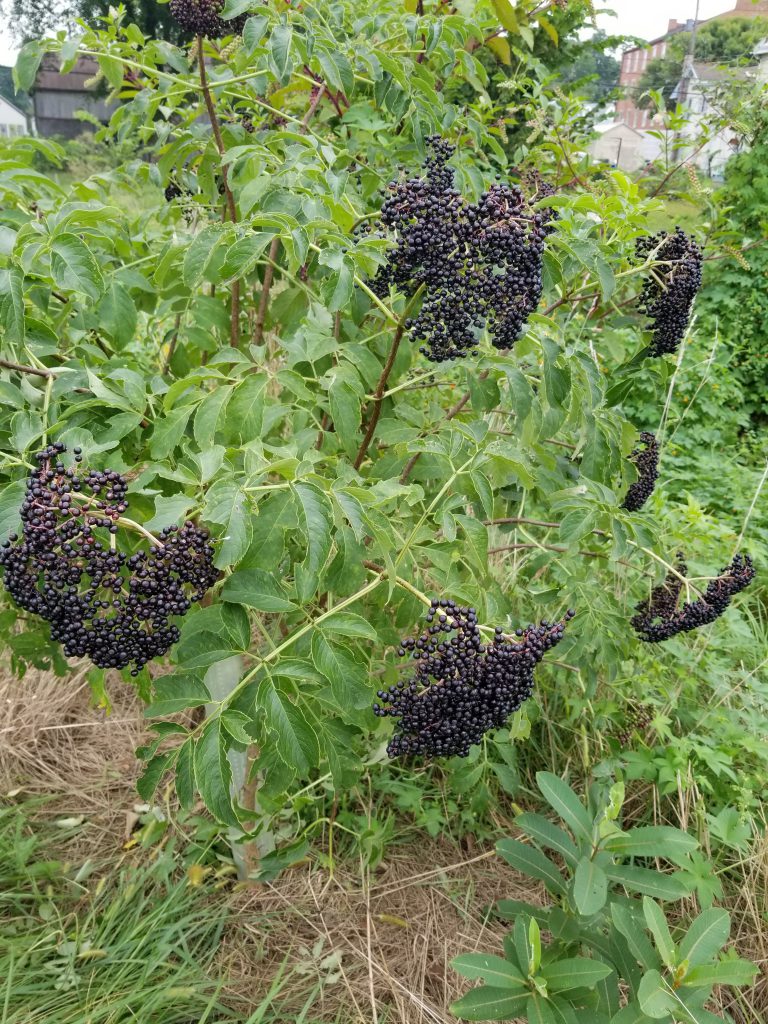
point(725, 41)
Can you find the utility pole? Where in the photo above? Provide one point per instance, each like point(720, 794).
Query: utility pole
point(685, 79)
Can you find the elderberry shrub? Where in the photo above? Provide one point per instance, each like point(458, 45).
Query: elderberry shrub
point(669, 290)
point(202, 18)
point(100, 602)
point(658, 618)
point(480, 264)
point(461, 687)
point(647, 461)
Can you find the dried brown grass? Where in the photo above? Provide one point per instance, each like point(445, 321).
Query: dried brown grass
point(356, 946)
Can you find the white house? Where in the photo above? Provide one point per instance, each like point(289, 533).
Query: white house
point(12, 120)
point(621, 146)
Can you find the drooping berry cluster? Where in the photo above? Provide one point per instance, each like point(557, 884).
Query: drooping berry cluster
point(173, 191)
point(479, 263)
point(114, 607)
point(647, 461)
point(670, 288)
point(461, 686)
point(202, 18)
point(637, 718)
point(658, 618)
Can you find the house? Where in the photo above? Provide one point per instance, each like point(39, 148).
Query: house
point(58, 97)
point(696, 91)
point(12, 120)
point(635, 60)
point(623, 147)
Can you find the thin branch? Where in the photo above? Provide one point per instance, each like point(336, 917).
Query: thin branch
point(234, 328)
point(21, 368)
point(269, 272)
point(562, 549)
point(172, 345)
point(313, 106)
point(381, 387)
point(452, 412)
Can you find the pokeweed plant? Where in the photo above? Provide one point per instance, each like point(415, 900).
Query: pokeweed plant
point(604, 940)
point(211, 324)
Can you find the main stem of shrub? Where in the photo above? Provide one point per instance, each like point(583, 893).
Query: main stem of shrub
point(234, 326)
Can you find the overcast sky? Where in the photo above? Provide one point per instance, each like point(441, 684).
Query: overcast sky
point(644, 18)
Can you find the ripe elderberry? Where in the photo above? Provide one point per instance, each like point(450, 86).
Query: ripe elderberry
point(659, 618)
point(202, 18)
point(114, 607)
point(461, 687)
point(480, 264)
point(669, 290)
point(647, 461)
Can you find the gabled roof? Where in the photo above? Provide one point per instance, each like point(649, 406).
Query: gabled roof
point(7, 102)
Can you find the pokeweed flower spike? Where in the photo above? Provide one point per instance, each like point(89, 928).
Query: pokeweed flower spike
point(114, 607)
point(480, 263)
point(461, 687)
point(669, 289)
point(658, 618)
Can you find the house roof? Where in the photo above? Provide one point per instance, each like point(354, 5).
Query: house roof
point(7, 102)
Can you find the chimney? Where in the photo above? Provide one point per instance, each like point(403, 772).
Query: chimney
point(673, 24)
point(690, 24)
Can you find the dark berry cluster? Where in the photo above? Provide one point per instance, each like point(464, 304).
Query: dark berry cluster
point(658, 618)
point(669, 289)
point(102, 602)
point(638, 718)
point(646, 460)
point(173, 190)
point(479, 263)
point(203, 18)
point(461, 686)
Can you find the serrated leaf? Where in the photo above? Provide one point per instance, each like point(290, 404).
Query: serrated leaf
point(348, 624)
point(347, 677)
point(214, 774)
point(154, 770)
point(168, 432)
point(344, 403)
point(280, 50)
point(318, 520)
point(15, 328)
point(176, 693)
point(27, 64)
point(227, 504)
point(294, 738)
point(257, 589)
point(74, 266)
point(117, 313)
point(11, 498)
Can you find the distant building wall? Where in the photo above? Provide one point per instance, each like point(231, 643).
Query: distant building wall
point(57, 98)
point(12, 120)
point(625, 148)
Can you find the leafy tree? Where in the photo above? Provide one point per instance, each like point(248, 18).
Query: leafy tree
point(594, 68)
point(31, 19)
point(719, 41)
